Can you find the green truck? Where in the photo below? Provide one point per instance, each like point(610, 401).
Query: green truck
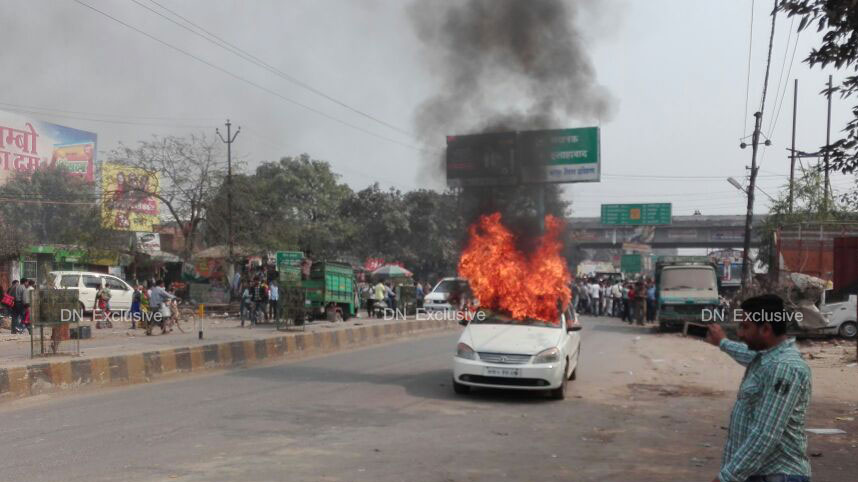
point(686, 290)
point(331, 287)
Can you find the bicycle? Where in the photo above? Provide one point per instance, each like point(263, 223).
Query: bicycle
point(181, 312)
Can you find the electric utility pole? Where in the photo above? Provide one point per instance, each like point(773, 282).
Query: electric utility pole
point(230, 138)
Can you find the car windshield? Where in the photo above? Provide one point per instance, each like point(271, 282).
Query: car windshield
point(688, 279)
point(492, 318)
point(450, 285)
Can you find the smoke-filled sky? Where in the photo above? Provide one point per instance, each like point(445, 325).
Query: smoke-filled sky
point(667, 86)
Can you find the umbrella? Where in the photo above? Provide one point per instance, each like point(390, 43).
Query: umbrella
point(391, 271)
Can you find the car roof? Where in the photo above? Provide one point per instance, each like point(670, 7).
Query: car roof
point(90, 273)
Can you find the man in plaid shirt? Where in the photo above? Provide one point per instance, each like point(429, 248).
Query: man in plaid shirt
point(766, 441)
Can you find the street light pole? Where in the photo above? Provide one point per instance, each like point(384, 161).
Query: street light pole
point(749, 215)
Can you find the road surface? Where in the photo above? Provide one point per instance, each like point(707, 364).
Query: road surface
point(378, 414)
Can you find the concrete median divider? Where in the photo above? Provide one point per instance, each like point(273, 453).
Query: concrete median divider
point(46, 376)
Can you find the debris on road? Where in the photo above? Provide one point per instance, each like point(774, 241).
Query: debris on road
point(826, 431)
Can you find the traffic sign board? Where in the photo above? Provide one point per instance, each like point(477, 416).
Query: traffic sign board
point(636, 214)
point(559, 155)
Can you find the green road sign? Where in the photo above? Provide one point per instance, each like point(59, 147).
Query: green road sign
point(560, 155)
point(636, 214)
point(289, 265)
point(631, 263)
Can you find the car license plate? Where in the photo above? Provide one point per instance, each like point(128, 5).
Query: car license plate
point(503, 372)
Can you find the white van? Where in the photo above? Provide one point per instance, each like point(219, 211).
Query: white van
point(87, 283)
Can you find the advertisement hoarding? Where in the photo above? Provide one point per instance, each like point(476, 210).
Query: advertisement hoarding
point(128, 201)
point(481, 160)
point(27, 144)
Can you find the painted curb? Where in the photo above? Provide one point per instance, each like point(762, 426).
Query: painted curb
point(50, 377)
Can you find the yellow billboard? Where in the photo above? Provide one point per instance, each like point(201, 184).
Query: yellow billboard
point(129, 197)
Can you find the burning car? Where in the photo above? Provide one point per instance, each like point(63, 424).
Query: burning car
point(497, 351)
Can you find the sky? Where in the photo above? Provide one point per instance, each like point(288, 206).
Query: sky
point(677, 70)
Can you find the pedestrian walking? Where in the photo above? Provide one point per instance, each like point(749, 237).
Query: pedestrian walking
point(158, 297)
point(17, 292)
point(766, 438)
point(274, 300)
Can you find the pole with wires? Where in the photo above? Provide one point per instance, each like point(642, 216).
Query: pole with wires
point(792, 151)
point(230, 138)
point(755, 142)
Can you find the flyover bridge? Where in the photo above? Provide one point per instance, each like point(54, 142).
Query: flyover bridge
point(683, 232)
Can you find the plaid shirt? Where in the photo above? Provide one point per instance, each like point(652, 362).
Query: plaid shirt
point(766, 434)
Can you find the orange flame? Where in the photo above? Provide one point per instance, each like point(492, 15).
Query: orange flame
point(505, 279)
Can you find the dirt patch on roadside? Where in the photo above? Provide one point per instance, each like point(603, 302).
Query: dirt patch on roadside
point(668, 390)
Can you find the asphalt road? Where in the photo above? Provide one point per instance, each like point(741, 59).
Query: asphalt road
point(378, 414)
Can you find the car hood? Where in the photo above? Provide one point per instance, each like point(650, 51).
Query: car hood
point(519, 339)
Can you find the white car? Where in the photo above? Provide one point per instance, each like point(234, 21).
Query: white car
point(840, 314)
point(87, 283)
point(499, 352)
point(439, 298)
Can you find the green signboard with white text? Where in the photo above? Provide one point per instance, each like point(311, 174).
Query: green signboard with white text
point(289, 265)
point(559, 155)
point(636, 214)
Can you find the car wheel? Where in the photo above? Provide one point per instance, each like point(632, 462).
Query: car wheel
point(559, 393)
point(460, 389)
point(848, 330)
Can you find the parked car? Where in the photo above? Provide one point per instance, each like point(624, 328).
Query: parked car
point(499, 352)
point(439, 299)
point(87, 283)
point(840, 314)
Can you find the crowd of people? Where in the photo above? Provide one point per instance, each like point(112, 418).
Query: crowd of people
point(633, 301)
point(16, 300)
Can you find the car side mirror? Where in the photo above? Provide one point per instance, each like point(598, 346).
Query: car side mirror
point(575, 327)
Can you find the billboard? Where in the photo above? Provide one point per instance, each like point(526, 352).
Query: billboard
point(559, 155)
point(481, 160)
point(27, 144)
point(128, 203)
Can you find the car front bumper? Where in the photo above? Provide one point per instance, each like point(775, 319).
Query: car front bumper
point(541, 376)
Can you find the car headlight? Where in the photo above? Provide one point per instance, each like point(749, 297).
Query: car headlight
point(466, 352)
point(551, 355)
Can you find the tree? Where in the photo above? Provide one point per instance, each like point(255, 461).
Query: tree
point(838, 20)
point(435, 227)
point(295, 203)
point(808, 207)
point(191, 169)
point(382, 223)
point(49, 206)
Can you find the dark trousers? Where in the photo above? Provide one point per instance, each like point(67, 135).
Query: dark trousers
point(274, 309)
point(650, 310)
point(17, 316)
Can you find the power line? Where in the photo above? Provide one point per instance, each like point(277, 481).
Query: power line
point(102, 114)
point(104, 121)
point(786, 83)
point(748, 81)
point(244, 54)
point(250, 82)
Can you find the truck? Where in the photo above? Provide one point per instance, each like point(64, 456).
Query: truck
point(686, 289)
point(331, 291)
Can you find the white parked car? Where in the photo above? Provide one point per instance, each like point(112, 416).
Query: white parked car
point(87, 283)
point(840, 314)
point(439, 298)
point(499, 352)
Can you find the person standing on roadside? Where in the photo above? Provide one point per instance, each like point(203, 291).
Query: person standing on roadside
point(594, 298)
point(766, 441)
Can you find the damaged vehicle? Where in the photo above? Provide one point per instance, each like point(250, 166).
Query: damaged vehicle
point(496, 351)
